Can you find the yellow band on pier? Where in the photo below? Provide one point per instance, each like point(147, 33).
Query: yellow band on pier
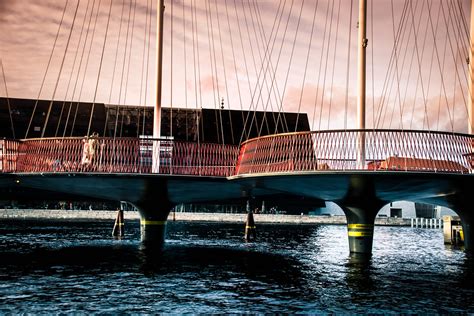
point(360, 234)
point(146, 222)
point(250, 227)
point(360, 226)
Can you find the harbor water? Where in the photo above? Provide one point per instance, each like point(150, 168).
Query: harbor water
point(70, 267)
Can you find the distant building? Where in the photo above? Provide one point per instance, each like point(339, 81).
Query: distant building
point(209, 125)
point(423, 210)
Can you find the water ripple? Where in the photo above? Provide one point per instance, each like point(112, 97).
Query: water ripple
point(66, 267)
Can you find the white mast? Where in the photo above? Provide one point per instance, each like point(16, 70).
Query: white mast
point(471, 74)
point(159, 60)
point(159, 63)
point(362, 44)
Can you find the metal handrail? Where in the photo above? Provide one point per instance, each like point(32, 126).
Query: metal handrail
point(385, 150)
point(119, 155)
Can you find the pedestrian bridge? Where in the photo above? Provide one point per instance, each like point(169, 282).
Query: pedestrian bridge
point(303, 167)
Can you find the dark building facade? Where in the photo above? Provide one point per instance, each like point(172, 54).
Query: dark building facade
point(423, 210)
point(68, 118)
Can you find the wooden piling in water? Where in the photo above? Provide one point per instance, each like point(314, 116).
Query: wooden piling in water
point(118, 231)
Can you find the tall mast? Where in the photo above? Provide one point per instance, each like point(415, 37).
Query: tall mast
point(159, 61)
point(471, 74)
point(361, 61)
point(155, 168)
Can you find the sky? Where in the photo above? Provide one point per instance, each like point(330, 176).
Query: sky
point(289, 55)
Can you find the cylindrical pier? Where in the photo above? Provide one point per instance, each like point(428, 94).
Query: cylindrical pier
point(467, 233)
point(153, 225)
point(152, 232)
point(361, 236)
point(360, 229)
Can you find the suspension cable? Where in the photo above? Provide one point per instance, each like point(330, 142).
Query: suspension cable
point(273, 80)
point(346, 101)
point(147, 63)
point(117, 48)
point(235, 70)
point(403, 30)
point(431, 69)
point(291, 58)
point(185, 71)
point(171, 71)
point(387, 83)
point(71, 74)
point(8, 100)
point(197, 121)
point(320, 65)
point(325, 69)
point(397, 39)
point(440, 93)
point(87, 63)
point(371, 62)
point(214, 74)
point(141, 72)
point(334, 64)
point(263, 70)
point(464, 26)
point(459, 40)
point(459, 27)
point(464, 48)
point(123, 68)
point(225, 75)
point(412, 58)
point(60, 72)
point(199, 68)
point(47, 68)
point(438, 60)
point(276, 92)
point(419, 76)
point(244, 131)
point(100, 68)
point(306, 62)
point(130, 51)
point(395, 44)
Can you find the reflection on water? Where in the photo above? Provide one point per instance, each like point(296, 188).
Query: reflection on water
point(67, 267)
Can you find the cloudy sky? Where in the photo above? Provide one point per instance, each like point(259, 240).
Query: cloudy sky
point(294, 55)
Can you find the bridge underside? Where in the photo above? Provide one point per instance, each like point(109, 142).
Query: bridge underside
point(439, 189)
point(360, 194)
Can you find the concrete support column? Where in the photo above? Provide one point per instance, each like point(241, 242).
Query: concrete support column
point(467, 229)
point(468, 235)
point(460, 202)
point(360, 206)
point(360, 228)
point(154, 208)
point(152, 231)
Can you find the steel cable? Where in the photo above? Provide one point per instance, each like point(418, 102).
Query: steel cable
point(47, 68)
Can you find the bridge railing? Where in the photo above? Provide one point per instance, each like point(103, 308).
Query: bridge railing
point(119, 155)
point(392, 150)
point(8, 155)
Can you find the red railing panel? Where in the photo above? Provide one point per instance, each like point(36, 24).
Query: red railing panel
point(393, 150)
